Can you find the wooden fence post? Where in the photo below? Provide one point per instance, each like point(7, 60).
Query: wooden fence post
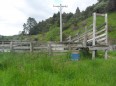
point(106, 54)
point(85, 38)
point(31, 47)
point(11, 46)
point(2, 46)
point(106, 27)
point(49, 48)
point(69, 43)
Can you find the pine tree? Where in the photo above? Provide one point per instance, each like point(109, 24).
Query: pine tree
point(77, 13)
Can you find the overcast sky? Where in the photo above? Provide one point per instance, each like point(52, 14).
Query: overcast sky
point(14, 13)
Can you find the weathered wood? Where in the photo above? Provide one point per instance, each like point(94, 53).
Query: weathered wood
point(94, 28)
point(101, 36)
point(31, 47)
point(89, 34)
point(11, 46)
point(94, 36)
point(37, 48)
point(22, 48)
point(90, 40)
point(99, 48)
point(65, 42)
point(49, 48)
point(106, 54)
point(94, 33)
point(93, 54)
point(98, 14)
point(102, 39)
point(106, 27)
point(100, 31)
point(85, 38)
point(4, 45)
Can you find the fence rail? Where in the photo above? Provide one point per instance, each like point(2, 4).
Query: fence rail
point(32, 46)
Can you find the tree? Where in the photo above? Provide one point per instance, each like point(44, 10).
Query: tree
point(24, 29)
point(105, 6)
point(102, 0)
point(77, 13)
point(112, 5)
point(31, 23)
point(101, 6)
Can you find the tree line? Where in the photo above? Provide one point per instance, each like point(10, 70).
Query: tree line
point(34, 28)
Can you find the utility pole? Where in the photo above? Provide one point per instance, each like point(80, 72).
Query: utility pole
point(60, 20)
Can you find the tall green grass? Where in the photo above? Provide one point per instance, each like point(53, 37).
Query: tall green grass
point(39, 69)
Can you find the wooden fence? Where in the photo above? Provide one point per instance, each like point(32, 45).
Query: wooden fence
point(93, 37)
point(32, 47)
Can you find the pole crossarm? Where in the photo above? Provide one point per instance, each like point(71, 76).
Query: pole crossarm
point(60, 6)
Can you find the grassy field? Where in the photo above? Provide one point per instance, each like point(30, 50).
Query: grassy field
point(39, 69)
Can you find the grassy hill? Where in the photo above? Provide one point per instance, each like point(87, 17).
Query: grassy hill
point(48, 29)
point(111, 23)
point(53, 33)
point(27, 69)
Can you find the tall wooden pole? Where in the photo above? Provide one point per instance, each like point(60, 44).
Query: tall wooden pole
point(60, 20)
point(106, 27)
point(94, 29)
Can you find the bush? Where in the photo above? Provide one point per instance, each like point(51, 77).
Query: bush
point(53, 34)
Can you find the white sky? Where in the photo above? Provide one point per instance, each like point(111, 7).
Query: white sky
point(14, 13)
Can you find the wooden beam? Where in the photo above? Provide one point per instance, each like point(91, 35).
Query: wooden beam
point(90, 40)
point(98, 48)
point(98, 32)
point(21, 48)
point(98, 14)
point(100, 36)
point(102, 39)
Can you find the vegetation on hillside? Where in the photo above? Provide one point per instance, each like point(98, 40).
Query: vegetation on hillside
point(72, 23)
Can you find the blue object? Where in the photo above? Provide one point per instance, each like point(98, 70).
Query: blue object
point(75, 56)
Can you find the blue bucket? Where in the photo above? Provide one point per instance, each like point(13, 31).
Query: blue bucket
point(75, 56)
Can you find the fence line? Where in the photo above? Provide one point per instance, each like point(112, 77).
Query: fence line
point(32, 47)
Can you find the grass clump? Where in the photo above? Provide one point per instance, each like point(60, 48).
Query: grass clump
point(39, 69)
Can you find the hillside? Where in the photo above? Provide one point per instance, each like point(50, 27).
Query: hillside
point(48, 30)
point(53, 34)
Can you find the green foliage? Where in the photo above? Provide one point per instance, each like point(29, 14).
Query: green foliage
point(53, 34)
point(105, 6)
point(101, 7)
point(112, 5)
point(30, 25)
point(77, 13)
